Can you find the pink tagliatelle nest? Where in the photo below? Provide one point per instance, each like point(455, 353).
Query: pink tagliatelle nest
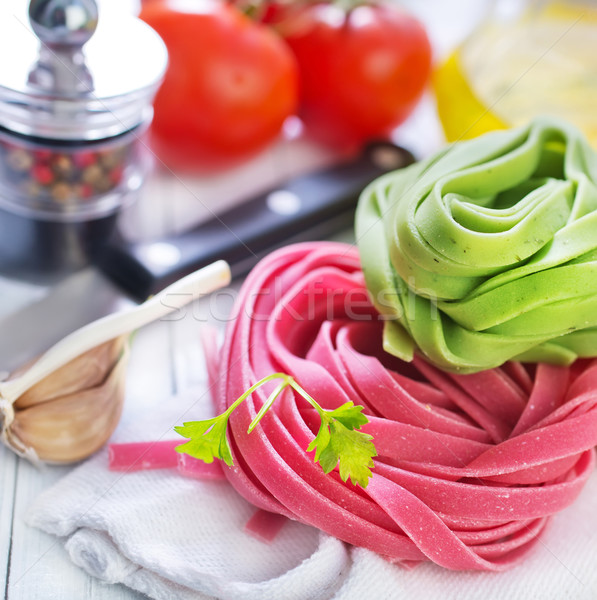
point(469, 467)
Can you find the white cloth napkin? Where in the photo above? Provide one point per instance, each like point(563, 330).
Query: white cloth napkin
point(172, 537)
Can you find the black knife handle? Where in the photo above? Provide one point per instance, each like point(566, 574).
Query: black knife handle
point(316, 204)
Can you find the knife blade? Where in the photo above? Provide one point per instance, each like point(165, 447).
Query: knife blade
point(311, 206)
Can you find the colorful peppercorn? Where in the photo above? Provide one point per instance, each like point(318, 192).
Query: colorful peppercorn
point(64, 174)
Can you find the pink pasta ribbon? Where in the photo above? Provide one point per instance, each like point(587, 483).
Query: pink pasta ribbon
point(469, 467)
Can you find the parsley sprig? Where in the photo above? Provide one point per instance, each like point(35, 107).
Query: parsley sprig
point(337, 443)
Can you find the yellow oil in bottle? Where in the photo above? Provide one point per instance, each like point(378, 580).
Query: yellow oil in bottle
point(543, 61)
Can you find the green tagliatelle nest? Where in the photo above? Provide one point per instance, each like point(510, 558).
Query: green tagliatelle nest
point(487, 251)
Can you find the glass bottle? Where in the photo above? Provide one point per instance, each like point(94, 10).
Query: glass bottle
point(526, 59)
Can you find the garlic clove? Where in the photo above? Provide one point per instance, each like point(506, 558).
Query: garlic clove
point(71, 427)
point(86, 371)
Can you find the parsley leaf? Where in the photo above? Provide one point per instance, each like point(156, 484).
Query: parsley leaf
point(349, 415)
point(207, 439)
point(337, 443)
point(355, 451)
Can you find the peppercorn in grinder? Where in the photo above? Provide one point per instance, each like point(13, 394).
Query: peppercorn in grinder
point(75, 100)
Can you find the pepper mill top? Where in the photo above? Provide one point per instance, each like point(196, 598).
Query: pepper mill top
point(63, 22)
point(63, 27)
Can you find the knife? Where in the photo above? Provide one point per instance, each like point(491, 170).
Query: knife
point(312, 206)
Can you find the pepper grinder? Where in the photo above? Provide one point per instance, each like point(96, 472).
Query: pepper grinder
point(75, 100)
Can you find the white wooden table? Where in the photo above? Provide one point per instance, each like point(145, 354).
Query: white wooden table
point(166, 356)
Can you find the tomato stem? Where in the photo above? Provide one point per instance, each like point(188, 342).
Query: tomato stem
point(254, 9)
point(349, 5)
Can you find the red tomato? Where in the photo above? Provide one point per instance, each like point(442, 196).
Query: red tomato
point(230, 84)
point(362, 71)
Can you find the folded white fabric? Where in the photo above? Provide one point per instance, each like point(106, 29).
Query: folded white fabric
point(172, 537)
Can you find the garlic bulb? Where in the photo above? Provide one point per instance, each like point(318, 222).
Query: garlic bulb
point(72, 412)
point(65, 405)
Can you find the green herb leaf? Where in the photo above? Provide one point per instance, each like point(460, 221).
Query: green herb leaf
point(207, 439)
point(337, 443)
point(349, 415)
point(321, 443)
point(355, 451)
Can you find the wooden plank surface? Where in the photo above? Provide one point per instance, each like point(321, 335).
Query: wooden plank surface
point(8, 467)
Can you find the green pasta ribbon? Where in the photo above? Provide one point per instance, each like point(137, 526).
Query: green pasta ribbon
point(487, 251)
